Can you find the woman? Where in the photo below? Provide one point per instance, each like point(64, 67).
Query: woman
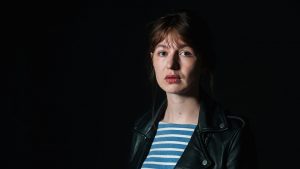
point(189, 130)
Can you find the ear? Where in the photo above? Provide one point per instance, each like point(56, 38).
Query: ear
point(151, 57)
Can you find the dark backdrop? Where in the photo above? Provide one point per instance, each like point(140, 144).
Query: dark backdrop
point(77, 78)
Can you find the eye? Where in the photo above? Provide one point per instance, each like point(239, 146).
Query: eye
point(185, 53)
point(162, 53)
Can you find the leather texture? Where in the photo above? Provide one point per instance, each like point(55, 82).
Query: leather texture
point(220, 141)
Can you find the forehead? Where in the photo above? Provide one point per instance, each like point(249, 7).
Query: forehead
point(172, 40)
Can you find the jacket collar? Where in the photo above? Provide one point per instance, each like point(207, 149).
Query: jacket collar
point(211, 117)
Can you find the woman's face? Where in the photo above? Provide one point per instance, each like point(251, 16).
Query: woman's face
point(176, 66)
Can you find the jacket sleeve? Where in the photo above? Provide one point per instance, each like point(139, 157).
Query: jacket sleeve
point(242, 151)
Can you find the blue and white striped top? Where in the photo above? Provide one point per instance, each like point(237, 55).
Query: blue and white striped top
point(168, 145)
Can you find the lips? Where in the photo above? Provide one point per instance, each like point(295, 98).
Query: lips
point(172, 79)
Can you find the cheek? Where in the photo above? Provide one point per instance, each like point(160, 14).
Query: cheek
point(157, 67)
point(159, 74)
point(192, 71)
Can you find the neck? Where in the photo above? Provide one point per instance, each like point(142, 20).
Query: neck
point(182, 109)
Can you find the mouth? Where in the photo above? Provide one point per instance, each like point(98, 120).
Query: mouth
point(172, 79)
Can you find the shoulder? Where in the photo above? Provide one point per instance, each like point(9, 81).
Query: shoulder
point(235, 121)
point(142, 120)
point(239, 127)
point(147, 120)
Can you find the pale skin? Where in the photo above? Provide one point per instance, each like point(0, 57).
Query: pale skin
point(172, 56)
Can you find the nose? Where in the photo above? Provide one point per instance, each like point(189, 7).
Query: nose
point(173, 61)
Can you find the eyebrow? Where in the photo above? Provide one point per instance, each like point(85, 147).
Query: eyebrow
point(179, 47)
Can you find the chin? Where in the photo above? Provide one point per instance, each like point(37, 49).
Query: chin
point(180, 88)
point(174, 90)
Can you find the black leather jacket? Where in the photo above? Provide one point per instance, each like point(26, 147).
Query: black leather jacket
point(218, 142)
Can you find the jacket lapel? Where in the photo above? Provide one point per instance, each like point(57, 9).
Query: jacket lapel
point(211, 118)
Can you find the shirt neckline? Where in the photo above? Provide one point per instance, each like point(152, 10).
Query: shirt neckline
point(162, 122)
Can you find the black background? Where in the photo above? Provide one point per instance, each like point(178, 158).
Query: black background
point(77, 79)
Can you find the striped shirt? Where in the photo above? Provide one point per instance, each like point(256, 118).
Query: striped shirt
point(168, 145)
